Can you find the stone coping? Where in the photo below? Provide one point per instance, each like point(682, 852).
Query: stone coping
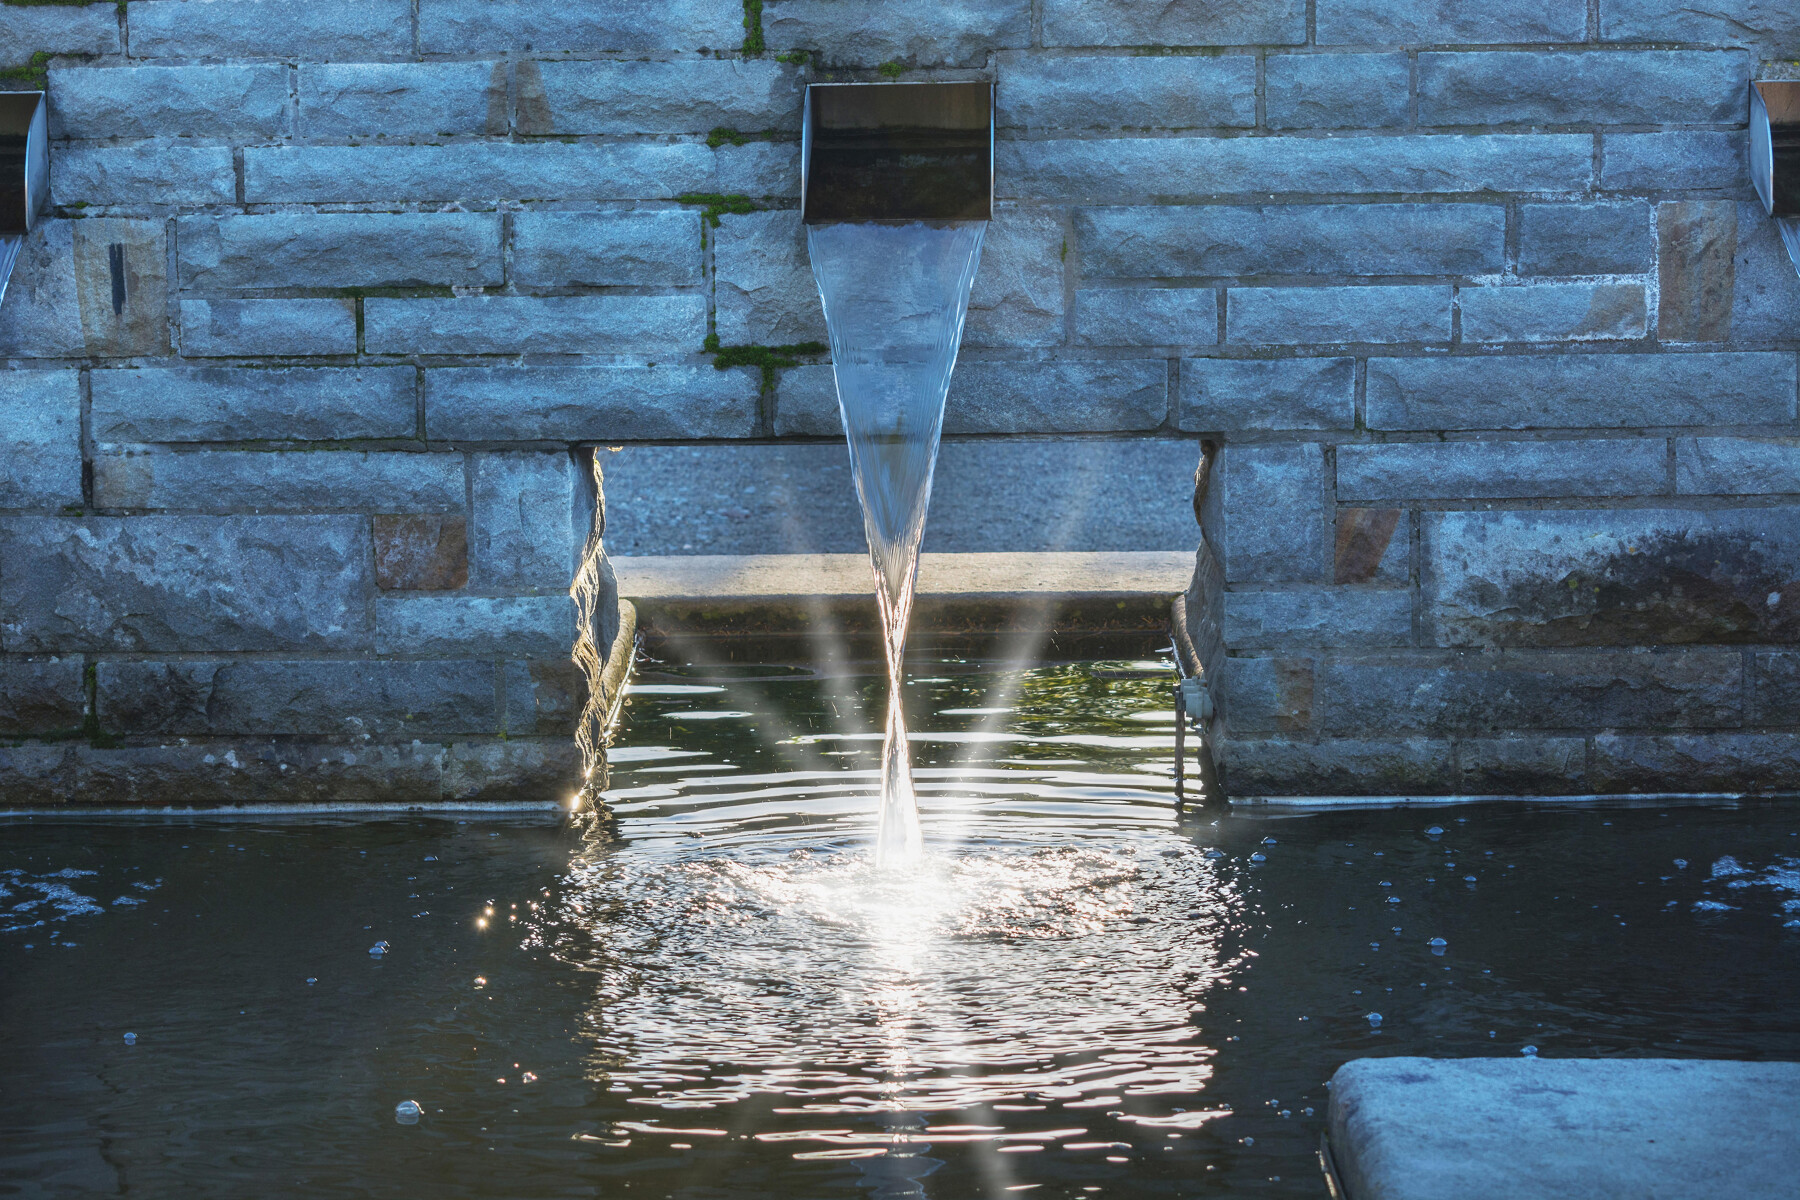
point(1097, 574)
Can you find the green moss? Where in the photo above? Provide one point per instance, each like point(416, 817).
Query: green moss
point(717, 204)
point(794, 58)
point(724, 135)
point(892, 68)
point(31, 76)
point(768, 359)
point(753, 33)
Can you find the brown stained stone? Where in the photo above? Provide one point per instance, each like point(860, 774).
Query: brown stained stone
point(421, 553)
point(534, 105)
point(122, 286)
point(1363, 535)
point(1697, 245)
point(496, 100)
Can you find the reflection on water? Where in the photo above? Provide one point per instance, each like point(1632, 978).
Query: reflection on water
point(1076, 996)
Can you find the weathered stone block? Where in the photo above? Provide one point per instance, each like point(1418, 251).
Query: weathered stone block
point(355, 700)
point(1697, 244)
point(485, 171)
point(1435, 22)
point(1553, 312)
point(1715, 762)
point(1168, 170)
point(1350, 617)
point(1612, 577)
point(1229, 395)
point(1501, 470)
point(1294, 316)
point(1607, 238)
point(41, 414)
point(1568, 87)
point(402, 100)
point(1057, 397)
point(1281, 766)
point(1268, 695)
point(280, 480)
point(40, 773)
point(1765, 305)
point(1272, 504)
point(1183, 23)
point(91, 287)
point(328, 29)
point(634, 98)
point(1017, 298)
point(806, 403)
point(525, 534)
point(61, 29)
point(1772, 24)
point(148, 173)
point(603, 404)
point(184, 583)
point(548, 26)
point(1160, 92)
point(1671, 161)
point(767, 169)
point(1370, 543)
point(1147, 316)
point(960, 34)
point(542, 324)
point(1586, 391)
point(211, 328)
point(520, 626)
point(421, 553)
point(1730, 466)
point(41, 697)
point(764, 290)
point(607, 249)
point(41, 317)
point(1518, 766)
point(216, 101)
point(339, 250)
point(1620, 689)
point(1292, 239)
point(543, 697)
point(213, 404)
point(1338, 91)
point(1776, 680)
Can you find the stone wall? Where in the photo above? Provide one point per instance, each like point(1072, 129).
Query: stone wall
point(1501, 355)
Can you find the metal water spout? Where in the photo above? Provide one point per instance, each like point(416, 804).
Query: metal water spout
point(1775, 155)
point(24, 173)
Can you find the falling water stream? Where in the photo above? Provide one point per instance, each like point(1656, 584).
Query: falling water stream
point(895, 295)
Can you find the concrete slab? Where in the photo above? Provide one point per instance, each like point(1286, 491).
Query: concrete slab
point(1568, 1129)
point(1160, 573)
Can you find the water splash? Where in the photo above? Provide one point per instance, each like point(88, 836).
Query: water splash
point(895, 296)
point(596, 626)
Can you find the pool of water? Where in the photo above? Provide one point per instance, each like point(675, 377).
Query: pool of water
point(1076, 995)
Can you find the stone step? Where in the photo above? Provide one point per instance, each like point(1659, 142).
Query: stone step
point(1564, 1129)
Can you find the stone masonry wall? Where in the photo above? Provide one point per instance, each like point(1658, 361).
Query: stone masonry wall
point(1473, 293)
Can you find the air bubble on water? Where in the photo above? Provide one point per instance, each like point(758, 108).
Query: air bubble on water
point(1249, 1141)
point(312, 979)
point(1528, 1051)
point(1393, 899)
point(1681, 864)
point(1374, 1020)
point(1468, 879)
point(1215, 853)
point(1437, 945)
point(378, 949)
point(1490, 1033)
point(1259, 858)
point(431, 858)
point(407, 1112)
point(131, 1039)
point(1435, 831)
point(1268, 841)
point(1306, 1112)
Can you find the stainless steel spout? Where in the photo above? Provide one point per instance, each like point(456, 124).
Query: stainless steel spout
point(897, 152)
point(1775, 155)
point(24, 172)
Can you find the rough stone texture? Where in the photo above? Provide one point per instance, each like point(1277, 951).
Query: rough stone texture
point(214, 328)
point(1720, 762)
point(1511, 766)
point(39, 696)
point(1771, 24)
point(1686, 159)
point(220, 102)
point(1775, 677)
point(61, 29)
point(1553, 312)
point(1533, 690)
point(549, 324)
point(1409, 1128)
point(452, 26)
point(606, 249)
point(765, 169)
point(1290, 239)
point(1147, 316)
point(297, 698)
point(806, 403)
point(144, 173)
point(1370, 544)
point(1608, 238)
point(1338, 91)
point(1593, 391)
point(1611, 577)
point(765, 291)
point(1012, 397)
point(1437, 22)
point(1269, 695)
point(1183, 23)
point(524, 521)
point(1728, 466)
point(421, 553)
point(1272, 513)
point(91, 287)
point(401, 100)
point(1017, 298)
point(1281, 766)
point(524, 626)
point(476, 172)
point(210, 404)
point(632, 98)
point(184, 583)
point(339, 250)
point(1502, 470)
point(1696, 246)
point(1765, 301)
point(1608, 87)
point(1082, 92)
point(1292, 316)
point(280, 481)
point(1302, 393)
point(1275, 620)
point(602, 404)
point(868, 34)
point(41, 413)
point(352, 29)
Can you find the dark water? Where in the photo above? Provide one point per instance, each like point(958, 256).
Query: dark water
point(1074, 996)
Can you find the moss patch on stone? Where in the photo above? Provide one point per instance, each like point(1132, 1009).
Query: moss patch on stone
point(716, 204)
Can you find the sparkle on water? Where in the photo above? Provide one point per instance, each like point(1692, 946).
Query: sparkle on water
point(895, 296)
point(1073, 991)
